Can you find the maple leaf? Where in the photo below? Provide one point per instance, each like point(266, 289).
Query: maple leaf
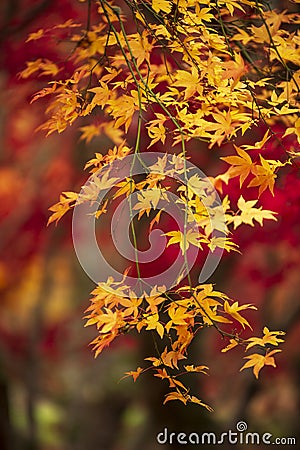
point(173, 383)
point(67, 24)
point(48, 68)
point(134, 373)
point(233, 309)
point(171, 358)
point(231, 5)
point(157, 134)
point(126, 187)
point(104, 182)
point(259, 361)
point(43, 92)
point(102, 95)
point(192, 368)
point(153, 323)
point(162, 5)
point(36, 35)
point(295, 129)
point(156, 362)
point(89, 132)
point(241, 165)
point(109, 321)
point(190, 81)
point(101, 342)
point(224, 126)
point(248, 213)
point(32, 67)
point(232, 343)
point(140, 47)
point(131, 306)
point(209, 311)
point(203, 14)
point(270, 337)
point(153, 300)
point(242, 36)
point(264, 176)
point(155, 220)
point(258, 145)
point(222, 242)
point(114, 134)
point(148, 199)
point(176, 395)
point(63, 206)
point(235, 69)
point(184, 240)
point(196, 400)
point(178, 316)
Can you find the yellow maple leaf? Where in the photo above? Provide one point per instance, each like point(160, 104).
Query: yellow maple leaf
point(173, 382)
point(178, 316)
point(240, 165)
point(209, 311)
point(269, 337)
point(176, 395)
point(259, 361)
point(36, 35)
point(148, 199)
point(140, 47)
point(235, 69)
point(114, 134)
point(233, 309)
point(190, 81)
point(232, 343)
point(242, 36)
point(192, 368)
point(102, 95)
point(126, 187)
point(222, 242)
point(248, 213)
point(32, 67)
point(264, 176)
point(194, 399)
point(134, 373)
point(171, 358)
point(258, 145)
point(184, 240)
point(105, 182)
point(295, 129)
point(155, 220)
point(122, 108)
point(63, 206)
point(157, 134)
point(202, 14)
point(89, 132)
point(231, 5)
point(109, 321)
point(224, 126)
point(48, 68)
point(131, 306)
point(153, 300)
point(153, 323)
point(59, 210)
point(162, 5)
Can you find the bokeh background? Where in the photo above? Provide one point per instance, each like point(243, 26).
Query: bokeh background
point(53, 394)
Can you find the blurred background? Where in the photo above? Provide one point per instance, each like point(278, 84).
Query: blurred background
point(53, 394)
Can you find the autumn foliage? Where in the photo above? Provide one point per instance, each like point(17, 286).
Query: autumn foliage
point(167, 76)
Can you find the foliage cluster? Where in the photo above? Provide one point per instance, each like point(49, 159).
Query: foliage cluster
point(172, 73)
